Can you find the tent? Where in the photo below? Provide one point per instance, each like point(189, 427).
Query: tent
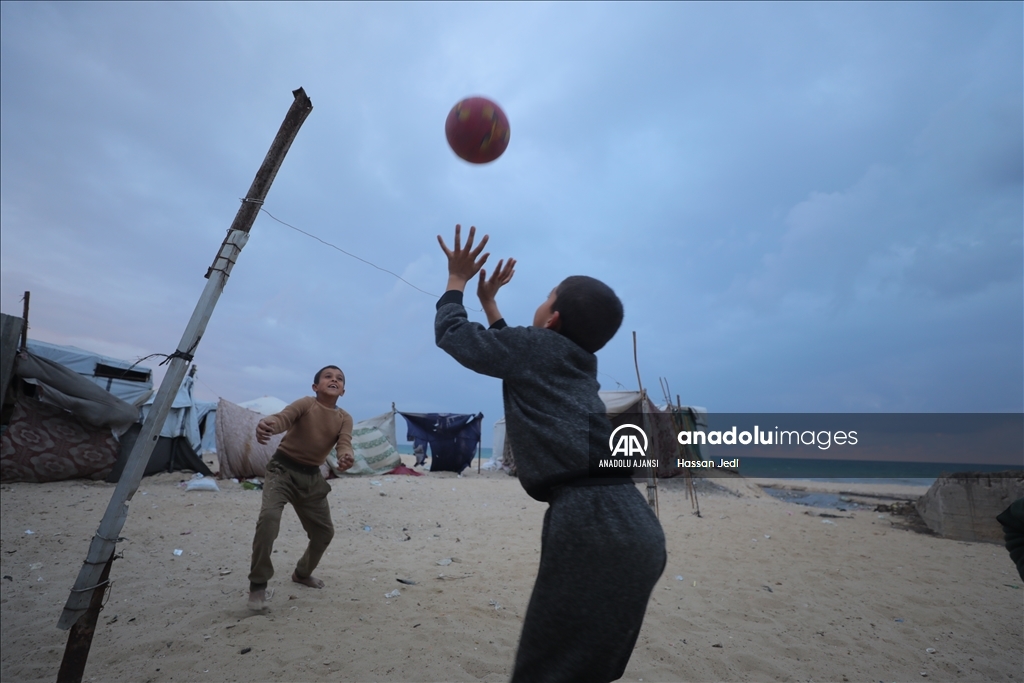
point(63, 425)
point(265, 405)
point(127, 381)
point(180, 440)
point(374, 445)
point(453, 439)
point(497, 447)
point(241, 456)
point(76, 414)
point(622, 407)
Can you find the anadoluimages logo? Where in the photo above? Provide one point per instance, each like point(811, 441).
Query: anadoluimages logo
point(628, 444)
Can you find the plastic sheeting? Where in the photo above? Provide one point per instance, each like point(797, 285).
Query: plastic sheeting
point(184, 416)
point(373, 446)
point(265, 405)
point(65, 388)
point(497, 446)
point(84, 363)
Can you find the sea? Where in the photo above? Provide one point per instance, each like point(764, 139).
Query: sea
point(839, 471)
point(835, 471)
point(862, 471)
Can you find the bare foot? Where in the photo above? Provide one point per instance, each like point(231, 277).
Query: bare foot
point(258, 600)
point(310, 580)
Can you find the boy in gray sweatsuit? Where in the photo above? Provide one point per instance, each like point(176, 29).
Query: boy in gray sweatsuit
point(602, 548)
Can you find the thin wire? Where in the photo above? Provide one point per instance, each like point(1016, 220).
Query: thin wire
point(611, 378)
point(211, 389)
point(332, 246)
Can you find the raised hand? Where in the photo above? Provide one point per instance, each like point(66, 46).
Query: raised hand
point(463, 262)
point(487, 287)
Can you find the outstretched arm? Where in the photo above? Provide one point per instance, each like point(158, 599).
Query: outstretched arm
point(487, 288)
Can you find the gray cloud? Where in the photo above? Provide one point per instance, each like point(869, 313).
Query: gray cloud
point(804, 207)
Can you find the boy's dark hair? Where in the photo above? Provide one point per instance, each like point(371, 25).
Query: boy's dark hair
point(589, 310)
point(316, 377)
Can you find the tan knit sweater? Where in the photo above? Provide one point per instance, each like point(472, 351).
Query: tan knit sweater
point(313, 429)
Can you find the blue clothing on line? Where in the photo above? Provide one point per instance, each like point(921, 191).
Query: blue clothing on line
point(452, 438)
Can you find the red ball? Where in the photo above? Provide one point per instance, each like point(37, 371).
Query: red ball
point(477, 130)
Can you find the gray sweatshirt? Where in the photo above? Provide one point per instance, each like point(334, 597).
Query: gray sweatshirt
point(549, 387)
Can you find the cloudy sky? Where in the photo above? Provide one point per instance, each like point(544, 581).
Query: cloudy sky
point(804, 207)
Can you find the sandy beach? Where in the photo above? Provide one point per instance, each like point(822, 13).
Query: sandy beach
point(756, 589)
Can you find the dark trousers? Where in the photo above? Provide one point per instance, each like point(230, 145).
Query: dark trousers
point(602, 552)
point(307, 493)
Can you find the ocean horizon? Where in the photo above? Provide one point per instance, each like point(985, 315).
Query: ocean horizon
point(838, 471)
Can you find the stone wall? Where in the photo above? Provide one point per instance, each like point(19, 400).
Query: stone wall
point(964, 506)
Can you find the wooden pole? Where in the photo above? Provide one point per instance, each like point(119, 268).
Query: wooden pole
point(10, 332)
point(24, 317)
point(80, 639)
point(105, 540)
point(652, 476)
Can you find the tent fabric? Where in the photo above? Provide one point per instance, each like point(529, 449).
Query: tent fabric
point(45, 443)
point(373, 452)
point(85, 363)
point(170, 454)
point(385, 422)
point(66, 389)
point(239, 454)
point(497, 447)
point(209, 430)
point(265, 405)
point(452, 438)
point(184, 415)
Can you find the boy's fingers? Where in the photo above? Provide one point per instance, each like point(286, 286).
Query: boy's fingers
point(444, 247)
point(469, 240)
point(458, 237)
point(480, 247)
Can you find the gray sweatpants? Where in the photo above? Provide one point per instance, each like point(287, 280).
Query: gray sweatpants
point(602, 551)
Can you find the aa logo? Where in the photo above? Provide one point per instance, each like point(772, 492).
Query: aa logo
point(627, 444)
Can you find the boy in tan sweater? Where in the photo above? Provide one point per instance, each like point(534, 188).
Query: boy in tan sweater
point(314, 426)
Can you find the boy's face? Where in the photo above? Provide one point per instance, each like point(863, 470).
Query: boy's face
point(545, 317)
point(332, 383)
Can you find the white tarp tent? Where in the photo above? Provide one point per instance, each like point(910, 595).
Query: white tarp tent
point(497, 446)
point(265, 405)
point(185, 416)
point(130, 383)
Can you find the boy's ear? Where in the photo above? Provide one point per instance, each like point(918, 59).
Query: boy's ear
point(554, 322)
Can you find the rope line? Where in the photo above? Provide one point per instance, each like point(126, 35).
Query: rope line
point(334, 246)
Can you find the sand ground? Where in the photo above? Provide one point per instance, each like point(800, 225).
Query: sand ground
point(756, 589)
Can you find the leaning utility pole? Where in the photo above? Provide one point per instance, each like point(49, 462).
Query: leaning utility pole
point(78, 615)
